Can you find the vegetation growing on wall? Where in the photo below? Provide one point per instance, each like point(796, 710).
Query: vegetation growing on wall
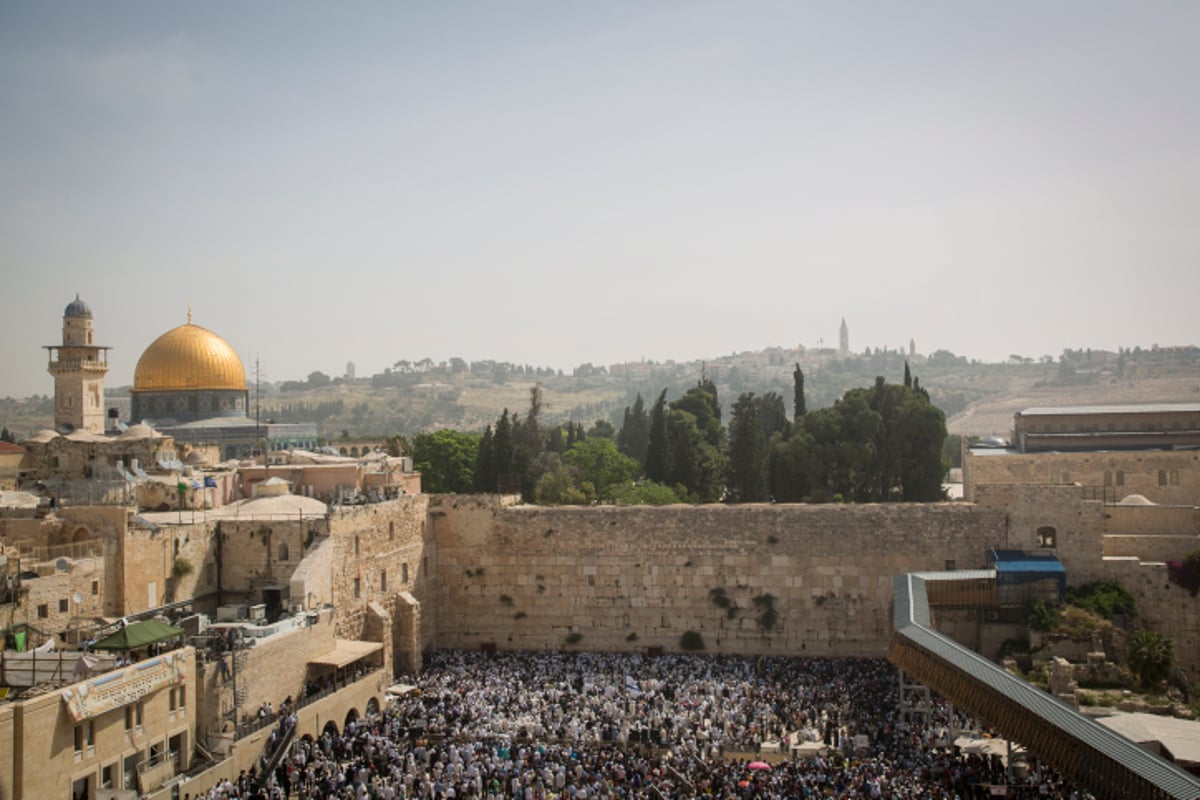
point(1104, 598)
point(1186, 573)
point(691, 641)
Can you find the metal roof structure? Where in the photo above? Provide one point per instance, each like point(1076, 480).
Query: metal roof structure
point(1142, 408)
point(1105, 762)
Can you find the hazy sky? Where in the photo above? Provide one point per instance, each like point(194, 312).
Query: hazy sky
point(562, 182)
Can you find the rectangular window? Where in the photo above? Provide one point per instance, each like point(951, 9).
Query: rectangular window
point(404, 572)
point(95, 587)
point(63, 606)
point(357, 588)
point(108, 774)
point(383, 580)
point(43, 611)
point(130, 772)
point(1162, 477)
point(950, 566)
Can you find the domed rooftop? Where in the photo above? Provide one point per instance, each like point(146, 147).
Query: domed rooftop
point(189, 357)
point(78, 308)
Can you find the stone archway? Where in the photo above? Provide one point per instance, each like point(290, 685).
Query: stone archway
point(373, 707)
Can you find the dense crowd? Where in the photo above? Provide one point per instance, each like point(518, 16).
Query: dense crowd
point(544, 726)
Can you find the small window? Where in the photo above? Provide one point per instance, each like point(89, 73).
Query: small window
point(950, 565)
point(283, 551)
point(1107, 477)
point(383, 580)
point(1174, 477)
point(391, 530)
point(1162, 477)
point(357, 588)
point(1120, 477)
point(108, 774)
point(404, 572)
point(356, 545)
point(43, 611)
point(63, 606)
point(1046, 536)
point(95, 587)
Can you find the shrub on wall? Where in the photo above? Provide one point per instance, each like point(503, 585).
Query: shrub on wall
point(691, 641)
point(182, 567)
point(1186, 573)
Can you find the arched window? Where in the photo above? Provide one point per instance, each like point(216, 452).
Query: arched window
point(1046, 536)
point(1120, 477)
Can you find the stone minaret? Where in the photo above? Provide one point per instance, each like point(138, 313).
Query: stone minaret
point(843, 339)
point(78, 366)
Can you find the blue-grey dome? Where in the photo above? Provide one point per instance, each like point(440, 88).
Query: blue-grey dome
point(78, 308)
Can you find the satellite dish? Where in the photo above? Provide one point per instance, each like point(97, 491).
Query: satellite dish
point(78, 598)
point(61, 565)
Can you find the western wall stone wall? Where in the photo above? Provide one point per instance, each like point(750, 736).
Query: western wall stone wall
point(382, 551)
point(631, 578)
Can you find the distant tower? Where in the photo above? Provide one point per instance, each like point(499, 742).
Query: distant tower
point(350, 371)
point(843, 339)
point(912, 347)
point(78, 366)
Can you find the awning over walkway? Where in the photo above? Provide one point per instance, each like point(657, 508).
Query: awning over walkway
point(1017, 566)
point(138, 634)
point(346, 651)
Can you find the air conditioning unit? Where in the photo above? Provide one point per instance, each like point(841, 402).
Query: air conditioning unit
point(258, 613)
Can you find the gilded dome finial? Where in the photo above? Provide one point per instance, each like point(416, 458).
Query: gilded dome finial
point(189, 313)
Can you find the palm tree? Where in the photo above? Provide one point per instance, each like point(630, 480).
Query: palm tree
point(1150, 656)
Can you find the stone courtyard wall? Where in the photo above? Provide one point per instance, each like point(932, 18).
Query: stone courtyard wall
point(632, 578)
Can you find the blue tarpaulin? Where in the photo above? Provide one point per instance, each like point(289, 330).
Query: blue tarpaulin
point(1017, 566)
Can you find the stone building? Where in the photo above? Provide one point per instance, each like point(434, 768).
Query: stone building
point(78, 366)
point(1160, 426)
point(1114, 452)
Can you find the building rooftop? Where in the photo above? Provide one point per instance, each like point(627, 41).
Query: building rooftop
point(1140, 408)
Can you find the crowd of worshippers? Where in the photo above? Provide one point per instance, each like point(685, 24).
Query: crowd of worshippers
point(545, 726)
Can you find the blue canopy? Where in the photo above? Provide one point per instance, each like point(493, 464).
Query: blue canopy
point(1017, 566)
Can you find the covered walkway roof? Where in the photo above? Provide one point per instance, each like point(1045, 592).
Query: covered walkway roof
point(346, 651)
point(1105, 762)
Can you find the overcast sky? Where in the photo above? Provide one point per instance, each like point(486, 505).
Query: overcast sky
point(564, 182)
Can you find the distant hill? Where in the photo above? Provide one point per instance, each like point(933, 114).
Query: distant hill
point(979, 399)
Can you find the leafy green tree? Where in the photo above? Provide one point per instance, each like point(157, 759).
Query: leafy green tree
point(1150, 656)
point(695, 463)
point(772, 414)
point(747, 446)
point(634, 437)
point(504, 451)
point(701, 402)
point(446, 460)
point(485, 463)
point(602, 429)
point(658, 454)
point(560, 485)
point(600, 464)
point(645, 493)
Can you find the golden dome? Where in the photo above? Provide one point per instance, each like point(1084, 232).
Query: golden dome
point(189, 357)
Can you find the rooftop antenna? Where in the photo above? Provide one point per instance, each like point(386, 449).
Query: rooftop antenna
point(257, 416)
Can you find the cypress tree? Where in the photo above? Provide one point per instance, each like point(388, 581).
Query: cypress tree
point(799, 406)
